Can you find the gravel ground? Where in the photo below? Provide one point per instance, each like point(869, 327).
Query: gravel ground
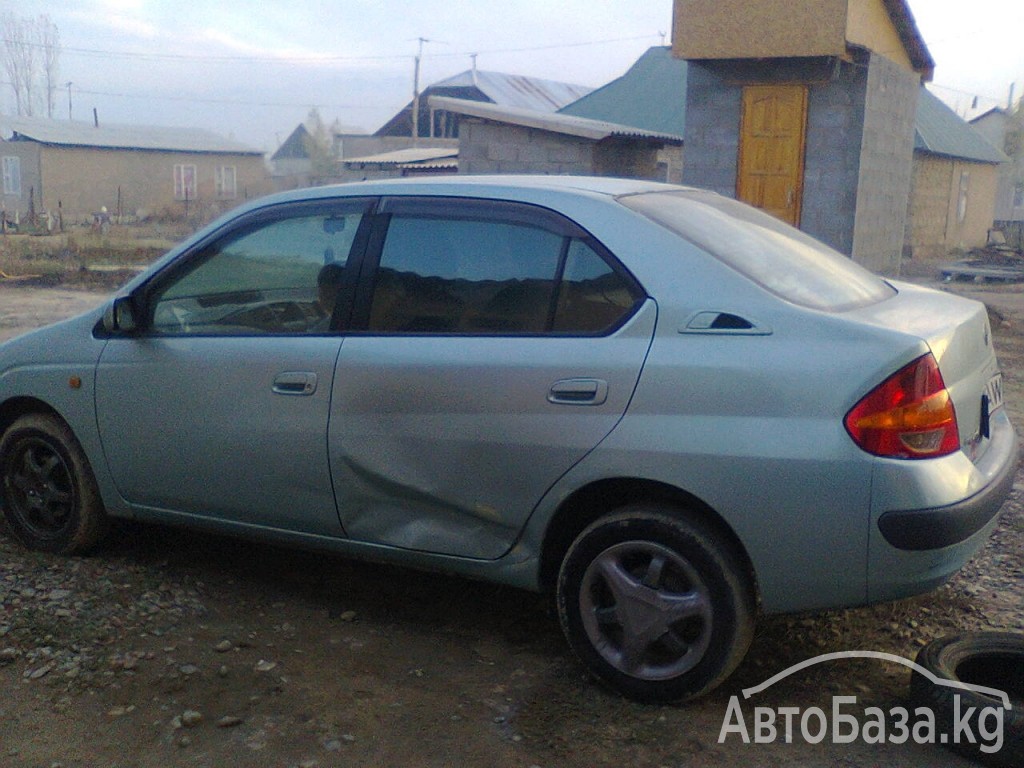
point(173, 648)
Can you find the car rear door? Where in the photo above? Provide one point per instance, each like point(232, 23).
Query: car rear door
point(500, 344)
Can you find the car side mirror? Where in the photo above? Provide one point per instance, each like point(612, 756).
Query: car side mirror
point(119, 316)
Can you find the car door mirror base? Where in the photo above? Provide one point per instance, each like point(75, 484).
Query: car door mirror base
point(119, 316)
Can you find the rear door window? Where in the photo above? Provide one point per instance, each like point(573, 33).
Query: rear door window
point(470, 267)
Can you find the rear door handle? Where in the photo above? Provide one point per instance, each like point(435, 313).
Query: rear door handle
point(578, 392)
point(301, 383)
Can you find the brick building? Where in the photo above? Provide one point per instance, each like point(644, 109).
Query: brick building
point(79, 168)
point(955, 184)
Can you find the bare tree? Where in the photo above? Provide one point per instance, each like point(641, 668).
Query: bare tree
point(320, 147)
point(49, 43)
point(15, 47)
point(30, 55)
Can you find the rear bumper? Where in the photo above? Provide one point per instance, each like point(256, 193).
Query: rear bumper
point(939, 527)
point(930, 517)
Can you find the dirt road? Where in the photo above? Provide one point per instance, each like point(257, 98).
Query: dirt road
point(25, 307)
point(171, 648)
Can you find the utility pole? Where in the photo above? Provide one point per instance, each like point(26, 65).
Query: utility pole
point(416, 93)
point(68, 84)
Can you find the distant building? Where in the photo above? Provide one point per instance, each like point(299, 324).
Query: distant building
point(414, 161)
point(291, 166)
point(382, 154)
point(651, 96)
point(497, 139)
point(505, 90)
point(78, 169)
point(955, 182)
point(998, 127)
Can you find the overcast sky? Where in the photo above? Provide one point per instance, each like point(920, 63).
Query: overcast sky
point(252, 69)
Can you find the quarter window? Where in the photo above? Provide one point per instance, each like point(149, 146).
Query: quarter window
point(592, 296)
point(286, 276)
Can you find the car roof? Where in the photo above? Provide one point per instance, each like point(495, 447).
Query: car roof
point(469, 186)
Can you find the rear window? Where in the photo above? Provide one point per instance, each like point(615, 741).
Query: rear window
point(773, 254)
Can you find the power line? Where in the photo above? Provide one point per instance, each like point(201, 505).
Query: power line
point(322, 59)
point(232, 102)
point(970, 94)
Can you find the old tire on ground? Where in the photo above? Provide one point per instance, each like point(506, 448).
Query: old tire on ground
point(991, 659)
point(655, 603)
point(48, 493)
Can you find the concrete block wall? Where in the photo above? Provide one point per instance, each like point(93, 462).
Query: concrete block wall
point(486, 147)
point(835, 125)
point(928, 212)
point(714, 107)
point(950, 207)
point(886, 165)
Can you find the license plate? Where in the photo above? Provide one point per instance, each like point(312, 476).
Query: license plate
point(994, 393)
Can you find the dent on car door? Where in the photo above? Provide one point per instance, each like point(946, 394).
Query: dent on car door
point(218, 405)
point(501, 343)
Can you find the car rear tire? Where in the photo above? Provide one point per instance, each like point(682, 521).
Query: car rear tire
point(991, 659)
point(655, 604)
point(48, 493)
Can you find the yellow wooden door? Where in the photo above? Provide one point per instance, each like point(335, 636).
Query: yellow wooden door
point(771, 172)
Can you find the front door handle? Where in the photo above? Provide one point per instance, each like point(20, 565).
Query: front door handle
point(295, 383)
point(578, 392)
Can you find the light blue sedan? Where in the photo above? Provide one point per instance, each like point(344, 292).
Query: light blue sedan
point(665, 407)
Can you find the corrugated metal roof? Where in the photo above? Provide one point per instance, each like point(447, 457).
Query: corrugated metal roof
point(411, 155)
point(546, 121)
point(432, 165)
point(79, 134)
point(517, 90)
point(941, 131)
point(650, 95)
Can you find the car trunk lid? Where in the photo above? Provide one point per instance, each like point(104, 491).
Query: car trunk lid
point(958, 333)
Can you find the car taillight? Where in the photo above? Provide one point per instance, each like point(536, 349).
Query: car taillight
point(907, 416)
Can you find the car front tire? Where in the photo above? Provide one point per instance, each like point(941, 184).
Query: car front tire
point(48, 493)
point(655, 604)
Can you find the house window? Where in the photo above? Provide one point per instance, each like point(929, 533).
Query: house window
point(965, 185)
point(12, 176)
point(225, 183)
point(184, 182)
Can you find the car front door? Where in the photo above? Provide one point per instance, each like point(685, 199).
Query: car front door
point(499, 343)
point(217, 406)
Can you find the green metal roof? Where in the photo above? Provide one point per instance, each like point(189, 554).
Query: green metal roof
point(651, 95)
point(940, 131)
